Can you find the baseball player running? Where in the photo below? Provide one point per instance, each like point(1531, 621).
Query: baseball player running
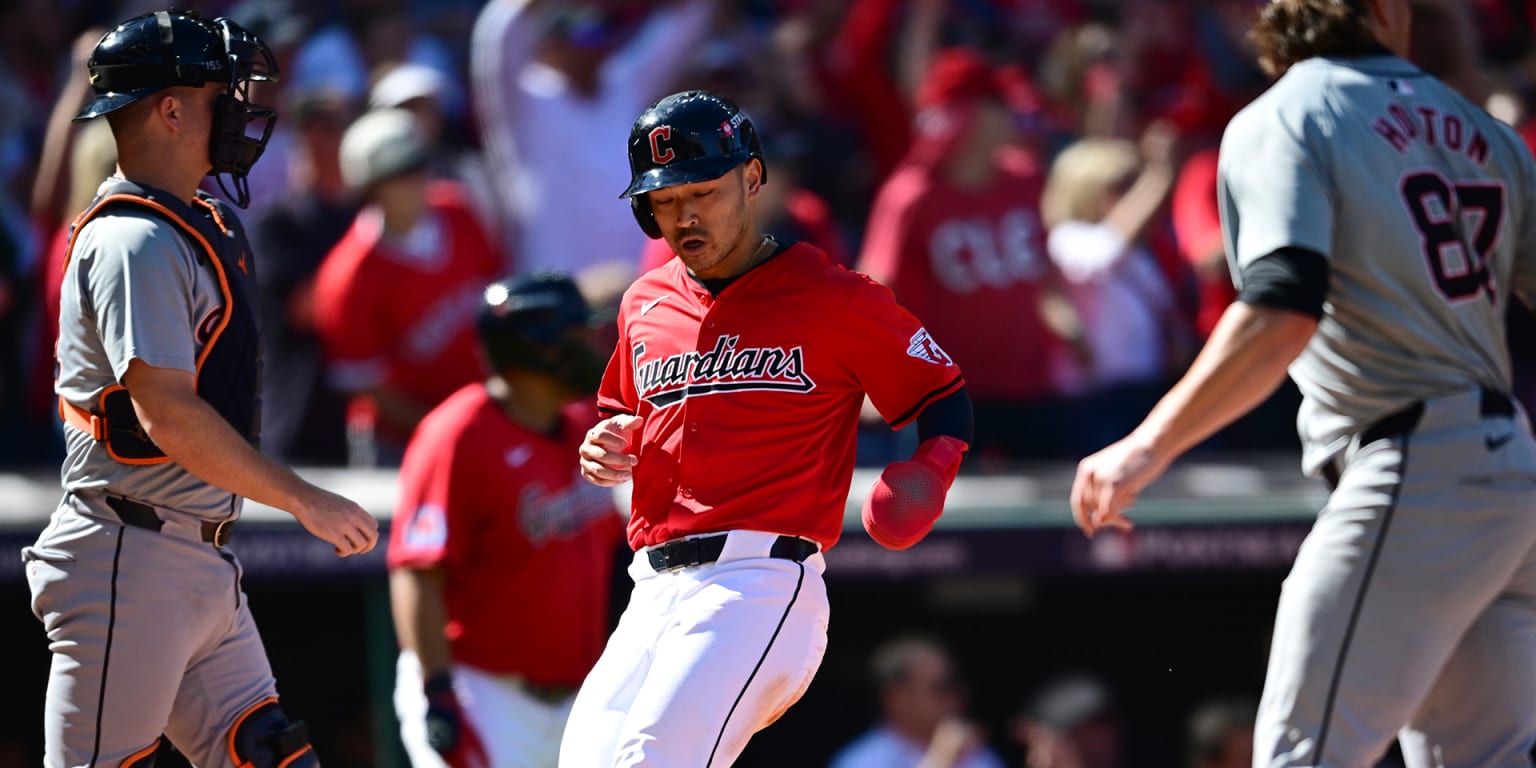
point(1377, 224)
point(158, 381)
point(500, 556)
point(732, 400)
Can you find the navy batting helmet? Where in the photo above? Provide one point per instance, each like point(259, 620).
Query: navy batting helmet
point(525, 324)
point(685, 138)
point(160, 50)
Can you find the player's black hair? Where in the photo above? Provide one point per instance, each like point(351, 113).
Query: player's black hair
point(1291, 31)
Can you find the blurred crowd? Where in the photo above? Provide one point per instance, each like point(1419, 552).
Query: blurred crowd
point(1035, 179)
point(1071, 720)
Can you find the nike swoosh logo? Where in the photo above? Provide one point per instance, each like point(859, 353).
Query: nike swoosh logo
point(649, 305)
point(1495, 443)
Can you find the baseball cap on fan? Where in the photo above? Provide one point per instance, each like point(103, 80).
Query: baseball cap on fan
point(379, 146)
point(958, 80)
point(406, 83)
point(958, 76)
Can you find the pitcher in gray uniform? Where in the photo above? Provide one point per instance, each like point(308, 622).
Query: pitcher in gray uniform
point(1377, 224)
point(158, 378)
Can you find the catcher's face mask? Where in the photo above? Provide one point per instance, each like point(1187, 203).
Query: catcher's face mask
point(241, 127)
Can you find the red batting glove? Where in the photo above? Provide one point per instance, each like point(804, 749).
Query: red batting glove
point(909, 496)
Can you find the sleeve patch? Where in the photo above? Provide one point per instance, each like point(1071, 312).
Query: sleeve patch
point(923, 347)
point(428, 528)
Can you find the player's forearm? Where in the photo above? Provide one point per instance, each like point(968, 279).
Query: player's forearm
point(1242, 364)
point(421, 616)
point(196, 437)
point(1131, 215)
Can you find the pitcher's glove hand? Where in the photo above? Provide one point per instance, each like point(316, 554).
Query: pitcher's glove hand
point(909, 496)
point(448, 731)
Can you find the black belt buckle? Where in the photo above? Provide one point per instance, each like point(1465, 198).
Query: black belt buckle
point(680, 554)
point(218, 534)
point(143, 516)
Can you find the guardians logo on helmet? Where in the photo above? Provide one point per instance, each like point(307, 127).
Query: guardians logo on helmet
point(686, 138)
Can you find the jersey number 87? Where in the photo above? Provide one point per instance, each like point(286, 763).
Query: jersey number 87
point(1464, 280)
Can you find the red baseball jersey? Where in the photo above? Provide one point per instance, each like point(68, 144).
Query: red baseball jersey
point(971, 263)
point(751, 398)
point(527, 545)
point(403, 313)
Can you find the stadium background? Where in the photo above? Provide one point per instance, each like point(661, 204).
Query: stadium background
point(1166, 617)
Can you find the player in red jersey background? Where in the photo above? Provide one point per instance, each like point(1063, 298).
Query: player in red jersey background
point(500, 556)
point(396, 298)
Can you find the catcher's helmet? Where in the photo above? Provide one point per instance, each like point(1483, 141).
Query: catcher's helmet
point(685, 138)
point(160, 50)
point(525, 323)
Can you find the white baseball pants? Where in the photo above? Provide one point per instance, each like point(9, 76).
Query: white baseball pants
point(703, 657)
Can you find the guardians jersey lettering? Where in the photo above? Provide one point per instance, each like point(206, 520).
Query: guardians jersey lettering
point(786, 353)
point(724, 368)
point(546, 515)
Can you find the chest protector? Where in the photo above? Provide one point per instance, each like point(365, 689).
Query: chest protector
point(229, 364)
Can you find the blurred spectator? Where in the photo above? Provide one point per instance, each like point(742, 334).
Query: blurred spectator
point(849, 59)
point(52, 185)
point(396, 298)
point(422, 91)
point(1100, 199)
point(283, 26)
point(956, 233)
point(1445, 45)
point(372, 34)
point(1070, 723)
point(93, 157)
point(922, 710)
point(304, 421)
point(1221, 733)
point(1197, 227)
point(32, 37)
point(556, 84)
point(1078, 76)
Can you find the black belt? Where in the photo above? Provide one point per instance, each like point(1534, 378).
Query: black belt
point(1405, 420)
point(143, 516)
point(706, 549)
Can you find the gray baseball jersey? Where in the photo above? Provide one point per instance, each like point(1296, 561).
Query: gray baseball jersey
point(1410, 611)
point(134, 289)
point(1366, 162)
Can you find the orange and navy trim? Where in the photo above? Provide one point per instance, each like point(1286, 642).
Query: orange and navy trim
point(92, 422)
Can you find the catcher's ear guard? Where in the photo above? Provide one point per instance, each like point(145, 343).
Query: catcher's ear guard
point(263, 737)
point(640, 205)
